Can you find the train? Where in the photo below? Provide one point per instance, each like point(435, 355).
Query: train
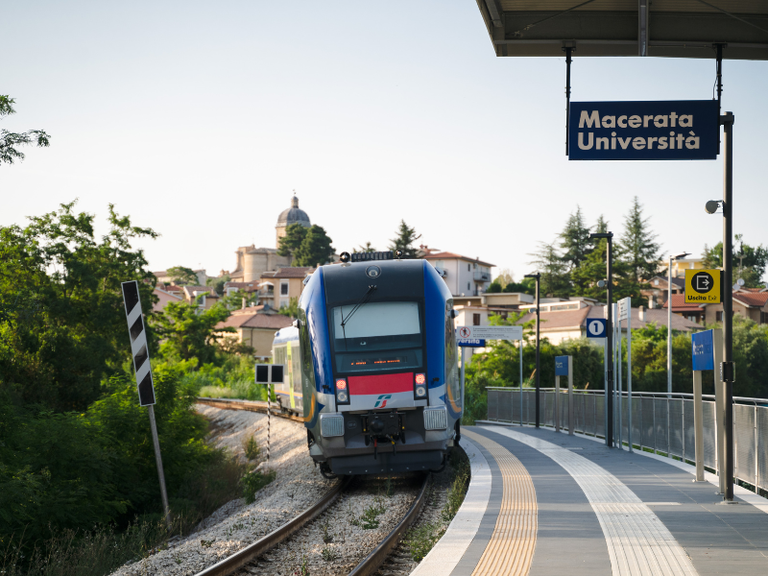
point(372, 361)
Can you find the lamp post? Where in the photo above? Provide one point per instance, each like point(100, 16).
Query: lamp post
point(537, 276)
point(669, 319)
point(727, 367)
point(608, 335)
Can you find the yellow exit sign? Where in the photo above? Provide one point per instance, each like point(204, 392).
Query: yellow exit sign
point(702, 286)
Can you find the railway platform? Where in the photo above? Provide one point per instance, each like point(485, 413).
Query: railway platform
point(548, 504)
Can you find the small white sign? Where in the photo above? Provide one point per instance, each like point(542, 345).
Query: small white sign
point(490, 332)
point(625, 305)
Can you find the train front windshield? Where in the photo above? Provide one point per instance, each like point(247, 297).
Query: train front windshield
point(377, 336)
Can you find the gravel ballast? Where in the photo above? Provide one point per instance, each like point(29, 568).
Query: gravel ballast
point(297, 485)
point(331, 545)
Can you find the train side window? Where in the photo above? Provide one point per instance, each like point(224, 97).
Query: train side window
point(307, 370)
point(451, 358)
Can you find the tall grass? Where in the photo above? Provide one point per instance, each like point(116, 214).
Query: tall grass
point(77, 553)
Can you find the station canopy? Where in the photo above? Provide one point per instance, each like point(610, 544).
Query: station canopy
point(666, 28)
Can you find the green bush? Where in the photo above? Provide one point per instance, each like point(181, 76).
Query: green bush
point(74, 471)
point(254, 482)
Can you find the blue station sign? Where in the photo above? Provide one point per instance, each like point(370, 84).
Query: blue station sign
point(649, 130)
point(561, 365)
point(596, 327)
point(470, 342)
point(701, 350)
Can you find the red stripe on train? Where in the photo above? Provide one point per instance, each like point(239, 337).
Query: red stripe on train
point(381, 383)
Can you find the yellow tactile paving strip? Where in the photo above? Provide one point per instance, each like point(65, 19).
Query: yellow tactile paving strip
point(510, 550)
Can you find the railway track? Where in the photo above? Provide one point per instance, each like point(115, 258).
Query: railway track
point(242, 561)
point(249, 405)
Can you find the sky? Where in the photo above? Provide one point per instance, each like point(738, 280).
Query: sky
point(201, 119)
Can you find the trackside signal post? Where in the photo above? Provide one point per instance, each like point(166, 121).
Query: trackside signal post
point(269, 374)
point(143, 371)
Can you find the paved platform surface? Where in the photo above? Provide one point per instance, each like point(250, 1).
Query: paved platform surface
point(548, 504)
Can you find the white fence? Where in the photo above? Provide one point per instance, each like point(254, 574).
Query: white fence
point(659, 422)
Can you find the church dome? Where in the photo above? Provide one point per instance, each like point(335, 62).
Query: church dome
point(293, 215)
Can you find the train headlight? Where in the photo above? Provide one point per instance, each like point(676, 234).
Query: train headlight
point(342, 392)
point(420, 386)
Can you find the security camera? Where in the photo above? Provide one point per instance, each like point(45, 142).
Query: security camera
point(712, 206)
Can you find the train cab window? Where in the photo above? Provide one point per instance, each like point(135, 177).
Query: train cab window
point(377, 336)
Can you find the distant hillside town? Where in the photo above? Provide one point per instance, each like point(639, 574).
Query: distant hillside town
point(270, 282)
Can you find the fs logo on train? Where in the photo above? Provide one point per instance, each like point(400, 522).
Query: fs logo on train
point(381, 401)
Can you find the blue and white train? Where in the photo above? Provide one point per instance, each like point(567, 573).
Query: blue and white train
point(377, 354)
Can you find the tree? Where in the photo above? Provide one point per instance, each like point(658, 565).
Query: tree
point(749, 262)
point(316, 248)
point(291, 310)
point(182, 276)
point(62, 319)
point(637, 246)
point(364, 249)
point(218, 283)
point(406, 236)
point(504, 277)
point(601, 227)
point(554, 279)
point(294, 236)
point(575, 243)
point(239, 299)
point(187, 332)
point(526, 286)
point(593, 270)
point(9, 141)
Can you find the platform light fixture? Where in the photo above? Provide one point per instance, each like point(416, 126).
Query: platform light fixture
point(608, 283)
point(669, 311)
point(537, 276)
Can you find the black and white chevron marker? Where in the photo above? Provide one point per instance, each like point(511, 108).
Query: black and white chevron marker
point(138, 343)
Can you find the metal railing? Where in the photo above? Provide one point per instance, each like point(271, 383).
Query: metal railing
point(660, 423)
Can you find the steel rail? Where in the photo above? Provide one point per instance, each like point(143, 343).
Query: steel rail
point(256, 549)
point(249, 405)
point(376, 558)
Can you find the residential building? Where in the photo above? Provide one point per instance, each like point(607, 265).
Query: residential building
point(658, 290)
point(164, 296)
point(205, 296)
point(232, 287)
point(693, 312)
point(475, 310)
point(256, 326)
point(464, 276)
point(680, 265)
point(278, 287)
point(164, 277)
point(563, 319)
point(751, 303)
